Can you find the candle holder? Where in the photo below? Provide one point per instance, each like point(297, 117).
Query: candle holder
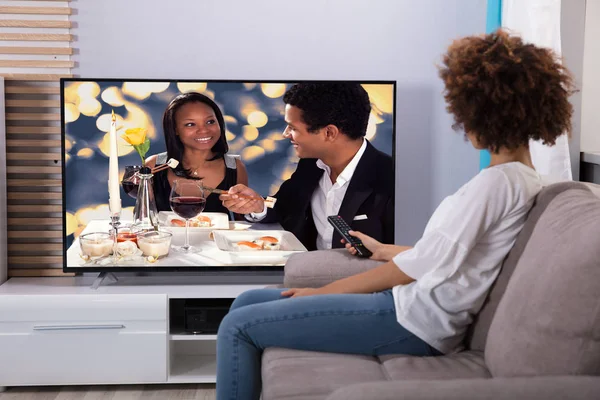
point(115, 222)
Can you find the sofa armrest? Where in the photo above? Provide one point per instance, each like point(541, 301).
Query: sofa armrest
point(533, 388)
point(320, 267)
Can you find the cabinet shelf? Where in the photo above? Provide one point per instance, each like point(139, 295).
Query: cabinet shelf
point(193, 369)
point(187, 336)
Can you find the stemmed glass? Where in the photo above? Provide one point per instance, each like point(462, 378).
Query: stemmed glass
point(131, 180)
point(187, 201)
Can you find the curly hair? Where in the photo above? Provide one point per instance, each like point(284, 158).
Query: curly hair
point(505, 92)
point(343, 104)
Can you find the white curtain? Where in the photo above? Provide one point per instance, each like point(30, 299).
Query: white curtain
point(538, 22)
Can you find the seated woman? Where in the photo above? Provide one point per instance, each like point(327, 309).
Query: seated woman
point(194, 131)
point(502, 93)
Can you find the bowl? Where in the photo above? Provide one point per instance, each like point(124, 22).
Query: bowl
point(96, 244)
point(155, 243)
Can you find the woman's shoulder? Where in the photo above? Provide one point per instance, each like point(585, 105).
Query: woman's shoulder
point(151, 161)
point(511, 182)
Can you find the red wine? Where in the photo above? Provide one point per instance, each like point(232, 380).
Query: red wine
point(131, 189)
point(187, 206)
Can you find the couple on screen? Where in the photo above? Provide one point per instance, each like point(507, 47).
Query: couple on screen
point(339, 171)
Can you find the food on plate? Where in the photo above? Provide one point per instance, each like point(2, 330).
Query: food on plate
point(267, 243)
point(201, 221)
point(262, 243)
point(245, 245)
point(177, 222)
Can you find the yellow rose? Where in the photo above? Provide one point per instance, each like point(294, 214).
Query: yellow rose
point(135, 136)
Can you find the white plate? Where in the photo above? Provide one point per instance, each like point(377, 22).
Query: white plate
point(226, 241)
point(218, 220)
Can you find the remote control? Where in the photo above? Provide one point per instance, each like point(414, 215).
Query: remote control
point(342, 227)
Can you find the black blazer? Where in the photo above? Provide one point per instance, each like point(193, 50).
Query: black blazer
point(370, 192)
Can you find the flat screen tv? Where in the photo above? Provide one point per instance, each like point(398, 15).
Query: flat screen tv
point(253, 114)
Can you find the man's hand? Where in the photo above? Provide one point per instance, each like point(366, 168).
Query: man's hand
point(300, 292)
point(242, 205)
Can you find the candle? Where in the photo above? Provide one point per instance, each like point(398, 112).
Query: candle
point(114, 194)
point(96, 244)
point(155, 244)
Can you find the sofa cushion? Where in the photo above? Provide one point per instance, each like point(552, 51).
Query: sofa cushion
point(548, 321)
point(478, 331)
point(318, 268)
point(294, 374)
point(467, 364)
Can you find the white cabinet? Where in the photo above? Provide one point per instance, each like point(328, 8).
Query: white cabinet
point(75, 339)
point(59, 331)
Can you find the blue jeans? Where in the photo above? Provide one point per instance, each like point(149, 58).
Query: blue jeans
point(339, 323)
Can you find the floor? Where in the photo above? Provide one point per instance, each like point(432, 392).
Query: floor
point(112, 392)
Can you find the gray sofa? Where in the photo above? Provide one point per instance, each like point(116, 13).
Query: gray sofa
point(536, 337)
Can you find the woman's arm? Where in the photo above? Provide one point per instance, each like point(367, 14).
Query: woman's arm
point(381, 251)
point(381, 278)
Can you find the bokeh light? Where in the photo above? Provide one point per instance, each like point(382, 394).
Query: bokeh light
point(185, 87)
point(250, 133)
point(85, 153)
point(258, 119)
point(251, 153)
point(113, 97)
point(273, 90)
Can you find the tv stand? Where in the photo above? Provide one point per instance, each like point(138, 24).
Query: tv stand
point(65, 331)
point(102, 276)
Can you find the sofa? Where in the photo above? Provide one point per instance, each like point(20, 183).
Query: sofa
point(537, 335)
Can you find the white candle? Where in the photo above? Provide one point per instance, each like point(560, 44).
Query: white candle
point(154, 246)
point(114, 194)
point(96, 247)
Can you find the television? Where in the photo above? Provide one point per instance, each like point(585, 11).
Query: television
point(254, 119)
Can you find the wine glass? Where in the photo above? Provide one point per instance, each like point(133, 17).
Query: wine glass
point(187, 201)
point(131, 180)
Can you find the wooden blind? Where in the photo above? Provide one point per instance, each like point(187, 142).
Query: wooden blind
point(35, 52)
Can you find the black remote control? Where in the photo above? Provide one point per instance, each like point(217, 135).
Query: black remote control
point(342, 227)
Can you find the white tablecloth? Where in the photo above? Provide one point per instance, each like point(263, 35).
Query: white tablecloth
point(210, 255)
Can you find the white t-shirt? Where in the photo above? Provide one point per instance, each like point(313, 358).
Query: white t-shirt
point(460, 254)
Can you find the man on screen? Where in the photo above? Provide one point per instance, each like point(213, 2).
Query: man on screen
point(339, 172)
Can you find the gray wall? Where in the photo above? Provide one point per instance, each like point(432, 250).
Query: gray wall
point(398, 40)
point(572, 29)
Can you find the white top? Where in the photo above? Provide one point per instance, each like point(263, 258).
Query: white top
point(326, 199)
point(460, 254)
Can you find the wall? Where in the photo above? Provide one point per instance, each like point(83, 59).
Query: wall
point(312, 39)
point(590, 117)
point(572, 27)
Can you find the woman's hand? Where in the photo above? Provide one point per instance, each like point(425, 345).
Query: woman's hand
point(381, 252)
point(301, 292)
point(371, 244)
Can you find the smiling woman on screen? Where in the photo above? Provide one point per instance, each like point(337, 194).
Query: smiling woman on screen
point(194, 131)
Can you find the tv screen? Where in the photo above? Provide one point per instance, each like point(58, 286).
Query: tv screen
point(253, 118)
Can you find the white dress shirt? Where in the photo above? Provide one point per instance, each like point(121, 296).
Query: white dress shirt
point(326, 199)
